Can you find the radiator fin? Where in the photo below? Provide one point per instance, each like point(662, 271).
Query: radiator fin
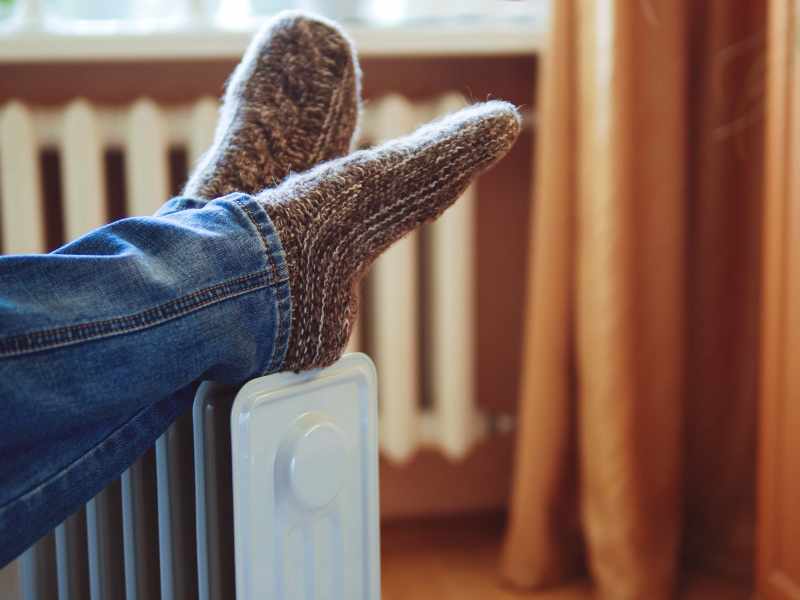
point(82, 160)
point(104, 540)
point(176, 520)
point(395, 314)
point(23, 223)
point(213, 481)
point(38, 570)
point(146, 153)
point(452, 291)
point(139, 530)
point(203, 124)
point(71, 566)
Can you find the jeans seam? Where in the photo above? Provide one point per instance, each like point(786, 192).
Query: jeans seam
point(277, 261)
point(82, 457)
point(246, 209)
point(278, 333)
point(48, 339)
point(281, 337)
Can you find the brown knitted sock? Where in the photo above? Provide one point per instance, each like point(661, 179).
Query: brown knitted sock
point(292, 102)
point(335, 220)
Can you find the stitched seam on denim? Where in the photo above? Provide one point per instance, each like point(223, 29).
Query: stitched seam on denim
point(267, 248)
point(62, 471)
point(282, 297)
point(278, 331)
point(48, 339)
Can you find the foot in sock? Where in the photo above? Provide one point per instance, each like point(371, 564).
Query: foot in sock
point(292, 102)
point(336, 219)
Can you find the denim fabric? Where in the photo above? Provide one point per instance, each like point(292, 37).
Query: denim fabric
point(103, 341)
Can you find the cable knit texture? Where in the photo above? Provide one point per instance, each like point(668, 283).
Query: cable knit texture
point(335, 220)
point(292, 102)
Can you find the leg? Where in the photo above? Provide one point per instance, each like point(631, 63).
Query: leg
point(91, 377)
point(142, 308)
point(101, 343)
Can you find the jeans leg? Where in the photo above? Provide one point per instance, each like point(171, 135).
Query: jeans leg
point(102, 341)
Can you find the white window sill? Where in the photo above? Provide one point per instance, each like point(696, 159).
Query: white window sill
point(483, 38)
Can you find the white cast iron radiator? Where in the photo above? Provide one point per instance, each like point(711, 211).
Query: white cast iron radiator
point(138, 538)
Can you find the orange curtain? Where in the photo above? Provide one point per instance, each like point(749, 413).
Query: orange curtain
point(636, 449)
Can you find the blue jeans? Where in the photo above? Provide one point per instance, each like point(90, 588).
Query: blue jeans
point(103, 342)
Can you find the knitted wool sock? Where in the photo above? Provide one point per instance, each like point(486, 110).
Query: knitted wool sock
point(335, 220)
point(292, 102)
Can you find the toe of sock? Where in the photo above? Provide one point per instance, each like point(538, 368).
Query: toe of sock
point(299, 31)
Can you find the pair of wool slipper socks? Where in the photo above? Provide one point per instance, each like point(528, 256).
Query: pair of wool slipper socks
point(288, 120)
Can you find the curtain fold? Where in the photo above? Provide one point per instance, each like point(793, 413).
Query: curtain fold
point(635, 456)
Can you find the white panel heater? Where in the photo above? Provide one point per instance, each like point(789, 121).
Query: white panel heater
point(164, 530)
point(305, 484)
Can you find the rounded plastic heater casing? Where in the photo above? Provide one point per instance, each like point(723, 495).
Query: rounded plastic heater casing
point(305, 484)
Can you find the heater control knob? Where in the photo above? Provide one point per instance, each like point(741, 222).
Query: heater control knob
point(318, 461)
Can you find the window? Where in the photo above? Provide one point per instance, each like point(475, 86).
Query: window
point(99, 15)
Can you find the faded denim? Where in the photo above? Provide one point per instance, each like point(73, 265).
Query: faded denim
point(103, 342)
